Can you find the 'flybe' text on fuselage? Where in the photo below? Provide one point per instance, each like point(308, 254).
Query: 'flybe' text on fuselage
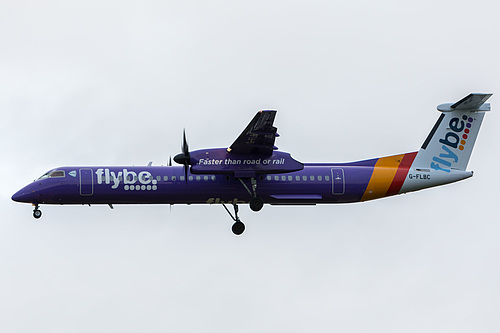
point(128, 177)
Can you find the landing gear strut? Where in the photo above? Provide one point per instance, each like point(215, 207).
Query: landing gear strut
point(37, 213)
point(238, 227)
point(256, 203)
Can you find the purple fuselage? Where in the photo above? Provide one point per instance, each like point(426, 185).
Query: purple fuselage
point(315, 183)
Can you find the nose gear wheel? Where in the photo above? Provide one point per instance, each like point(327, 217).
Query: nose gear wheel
point(37, 213)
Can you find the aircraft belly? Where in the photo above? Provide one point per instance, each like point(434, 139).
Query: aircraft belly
point(180, 192)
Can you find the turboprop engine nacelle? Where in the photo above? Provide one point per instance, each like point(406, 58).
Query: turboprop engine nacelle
point(220, 161)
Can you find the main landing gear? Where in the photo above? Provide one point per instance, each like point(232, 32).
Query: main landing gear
point(238, 227)
point(256, 203)
point(37, 213)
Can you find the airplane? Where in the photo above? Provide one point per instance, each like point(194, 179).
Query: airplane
point(253, 171)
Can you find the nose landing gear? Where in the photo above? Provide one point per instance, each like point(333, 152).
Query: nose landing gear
point(37, 213)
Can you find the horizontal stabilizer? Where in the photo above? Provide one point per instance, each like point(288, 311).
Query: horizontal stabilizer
point(470, 102)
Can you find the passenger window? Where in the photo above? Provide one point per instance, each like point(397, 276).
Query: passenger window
point(158, 178)
point(276, 178)
point(297, 178)
point(190, 178)
point(268, 177)
point(283, 177)
point(165, 178)
point(213, 177)
point(311, 178)
point(174, 178)
point(198, 178)
point(290, 178)
point(320, 178)
point(327, 178)
point(304, 178)
point(205, 178)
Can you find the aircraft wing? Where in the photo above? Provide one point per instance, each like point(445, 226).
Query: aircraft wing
point(258, 137)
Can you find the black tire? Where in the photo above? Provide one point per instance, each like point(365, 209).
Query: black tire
point(238, 228)
point(37, 213)
point(256, 204)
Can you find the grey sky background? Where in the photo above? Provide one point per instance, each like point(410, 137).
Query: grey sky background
point(115, 82)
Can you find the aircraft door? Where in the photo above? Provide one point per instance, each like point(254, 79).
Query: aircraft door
point(338, 183)
point(86, 182)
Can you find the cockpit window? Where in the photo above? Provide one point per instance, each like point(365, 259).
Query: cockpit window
point(56, 173)
point(45, 175)
point(52, 174)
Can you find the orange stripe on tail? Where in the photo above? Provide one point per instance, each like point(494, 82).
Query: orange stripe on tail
point(388, 176)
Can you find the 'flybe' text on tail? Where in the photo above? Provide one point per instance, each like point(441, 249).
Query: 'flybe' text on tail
point(449, 144)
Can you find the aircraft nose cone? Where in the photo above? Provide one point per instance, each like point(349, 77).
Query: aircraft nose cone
point(24, 195)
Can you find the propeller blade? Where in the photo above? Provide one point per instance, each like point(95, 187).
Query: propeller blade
point(185, 147)
point(170, 161)
point(184, 158)
point(185, 150)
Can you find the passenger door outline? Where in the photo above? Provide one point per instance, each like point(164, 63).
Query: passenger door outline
point(338, 181)
point(86, 182)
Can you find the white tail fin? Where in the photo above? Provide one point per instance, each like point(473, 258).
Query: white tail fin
point(449, 144)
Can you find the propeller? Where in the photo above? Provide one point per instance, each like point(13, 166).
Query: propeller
point(184, 157)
